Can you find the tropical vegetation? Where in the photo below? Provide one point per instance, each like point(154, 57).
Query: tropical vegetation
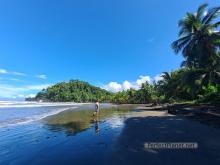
point(199, 43)
point(74, 90)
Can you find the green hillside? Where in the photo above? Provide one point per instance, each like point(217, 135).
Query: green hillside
point(74, 90)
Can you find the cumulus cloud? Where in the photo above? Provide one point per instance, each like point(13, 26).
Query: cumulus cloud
point(143, 79)
point(116, 87)
point(158, 77)
point(113, 87)
point(12, 91)
point(42, 76)
point(4, 71)
point(127, 85)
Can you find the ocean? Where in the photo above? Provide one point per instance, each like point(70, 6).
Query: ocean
point(21, 112)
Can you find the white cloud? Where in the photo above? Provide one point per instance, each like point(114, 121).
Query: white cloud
point(4, 71)
point(116, 87)
point(14, 79)
point(158, 78)
point(10, 79)
point(113, 87)
point(12, 91)
point(37, 87)
point(127, 85)
point(42, 76)
point(31, 95)
point(143, 79)
point(20, 96)
point(17, 73)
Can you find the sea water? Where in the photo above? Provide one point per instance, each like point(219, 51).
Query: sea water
point(21, 112)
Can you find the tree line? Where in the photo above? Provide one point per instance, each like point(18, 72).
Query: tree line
point(80, 91)
point(74, 90)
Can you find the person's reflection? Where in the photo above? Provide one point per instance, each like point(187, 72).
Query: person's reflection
point(96, 121)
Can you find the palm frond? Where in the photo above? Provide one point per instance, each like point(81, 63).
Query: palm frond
point(183, 64)
point(187, 23)
point(194, 78)
point(215, 25)
point(166, 76)
point(201, 11)
point(180, 43)
point(212, 14)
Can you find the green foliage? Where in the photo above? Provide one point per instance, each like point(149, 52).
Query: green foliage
point(199, 38)
point(74, 90)
point(79, 91)
point(199, 43)
point(172, 87)
point(211, 94)
point(120, 98)
point(146, 94)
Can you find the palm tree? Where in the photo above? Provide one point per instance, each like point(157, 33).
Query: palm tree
point(199, 38)
point(199, 42)
point(166, 77)
point(174, 86)
point(166, 85)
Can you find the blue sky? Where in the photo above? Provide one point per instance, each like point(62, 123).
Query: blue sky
point(100, 41)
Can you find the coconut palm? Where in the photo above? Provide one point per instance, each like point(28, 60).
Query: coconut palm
point(199, 42)
point(170, 85)
point(199, 37)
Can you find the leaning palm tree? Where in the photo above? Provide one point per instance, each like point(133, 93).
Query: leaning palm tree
point(199, 37)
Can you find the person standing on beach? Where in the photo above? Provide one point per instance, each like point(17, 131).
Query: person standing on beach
point(96, 119)
point(96, 108)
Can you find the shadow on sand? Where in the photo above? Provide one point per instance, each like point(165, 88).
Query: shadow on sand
point(130, 148)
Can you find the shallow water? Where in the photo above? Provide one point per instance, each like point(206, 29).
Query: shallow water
point(75, 131)
point(82, 118)
point(21, 112)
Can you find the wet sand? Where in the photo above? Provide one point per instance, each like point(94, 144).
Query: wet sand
point(117, 136)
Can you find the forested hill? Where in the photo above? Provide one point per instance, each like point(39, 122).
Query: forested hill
point(74, 90)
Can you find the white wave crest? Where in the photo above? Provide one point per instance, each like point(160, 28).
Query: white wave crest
point(33, 118)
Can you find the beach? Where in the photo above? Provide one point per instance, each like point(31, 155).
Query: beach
point(117, 136)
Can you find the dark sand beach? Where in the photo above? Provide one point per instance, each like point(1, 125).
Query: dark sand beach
point(117, 136)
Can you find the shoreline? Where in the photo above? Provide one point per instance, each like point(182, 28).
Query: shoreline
point(185, 109)
point(23, 104)
point(38, 107)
